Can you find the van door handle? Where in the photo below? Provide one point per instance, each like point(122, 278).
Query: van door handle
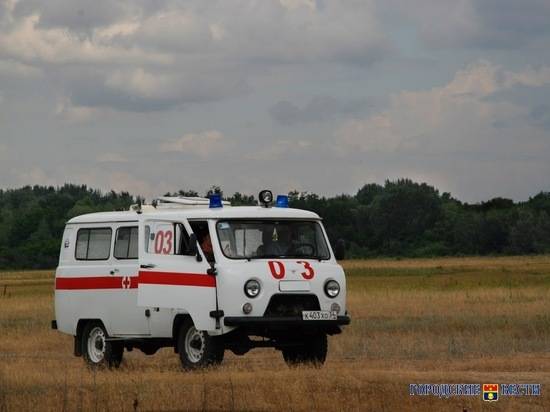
point(112, 272)
point(147, 266)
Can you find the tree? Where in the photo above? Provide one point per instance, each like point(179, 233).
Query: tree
point(367, 193)
point(239, 199)
point(402, 213)
point(400, 218)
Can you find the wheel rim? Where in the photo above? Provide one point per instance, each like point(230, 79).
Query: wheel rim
point(96, 345)
point(194, 344)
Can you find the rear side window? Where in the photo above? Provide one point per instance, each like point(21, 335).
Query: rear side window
point(126, 243)
point(93, 244)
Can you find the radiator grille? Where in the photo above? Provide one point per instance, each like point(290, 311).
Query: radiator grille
point(291, 304)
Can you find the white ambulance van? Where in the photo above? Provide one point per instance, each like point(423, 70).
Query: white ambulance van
point(202, 277)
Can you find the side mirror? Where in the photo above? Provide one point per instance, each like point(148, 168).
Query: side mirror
point(340, 249)
point(194, 247)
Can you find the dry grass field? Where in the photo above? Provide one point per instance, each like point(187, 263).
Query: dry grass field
point(456, 320)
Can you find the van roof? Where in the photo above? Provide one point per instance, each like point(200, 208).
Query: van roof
point(237, 212)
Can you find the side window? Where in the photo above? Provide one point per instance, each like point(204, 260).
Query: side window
point(82, 239)
point(166, 238)
point(126, 243)
point(93, 244)
point(182, 240)
point(200, 228)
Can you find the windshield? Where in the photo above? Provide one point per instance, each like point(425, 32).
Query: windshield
point(240, 239)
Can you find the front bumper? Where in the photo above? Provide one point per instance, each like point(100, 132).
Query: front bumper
point(284, 322)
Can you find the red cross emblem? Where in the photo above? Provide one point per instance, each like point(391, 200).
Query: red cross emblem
point(126, 282)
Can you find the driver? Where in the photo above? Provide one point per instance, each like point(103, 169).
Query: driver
point(279, 247)
point(206, 246)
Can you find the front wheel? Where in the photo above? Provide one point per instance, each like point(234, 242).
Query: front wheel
point(313, 350)
point(197, 349)
point(97, 351)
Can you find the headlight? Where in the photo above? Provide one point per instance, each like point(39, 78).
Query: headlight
point(252, 288)
point(332, 288)
point(247, 308)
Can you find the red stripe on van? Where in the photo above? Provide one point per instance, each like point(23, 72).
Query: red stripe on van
point(96, 282)
point(179, 279)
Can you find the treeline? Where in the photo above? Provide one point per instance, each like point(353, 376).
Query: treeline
point(32, 220)
point(400, 218)
point(404, 218)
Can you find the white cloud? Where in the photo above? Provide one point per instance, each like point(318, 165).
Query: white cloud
point(33, 45)
point(139, 57)
point(319, 108)
point(168, 89)
point(456, 133)
point(373, 134)
point(118, 29)
point(217, 32)
point(141, 83)
point(271, 29)
point(127, 182)
point(111, 157)
point(202, 144)
point(174, 30)
point(280, 149)
point(131, 182)
point(454, 117)
point(295, 4)
point(82, 81)
point(485, 24)
point(12, 68)
point(35, 176)
point(70, 113)
point(534, 77)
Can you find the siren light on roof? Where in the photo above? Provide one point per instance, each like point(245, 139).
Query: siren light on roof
point(282, 201)
point(215, 201)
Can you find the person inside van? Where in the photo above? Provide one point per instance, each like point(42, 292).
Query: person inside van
point(200, 229)
point(206, 246)
point(276, 242)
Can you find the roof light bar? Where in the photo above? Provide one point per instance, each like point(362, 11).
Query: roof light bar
point(282, 201)
point(215, 201)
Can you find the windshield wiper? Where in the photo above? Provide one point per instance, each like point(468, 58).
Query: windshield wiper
point(263, 257)
point(283, 257)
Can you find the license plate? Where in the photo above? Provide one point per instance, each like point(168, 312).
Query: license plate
point(318, 315)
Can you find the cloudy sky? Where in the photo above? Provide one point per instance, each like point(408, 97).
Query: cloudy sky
point(319, 95)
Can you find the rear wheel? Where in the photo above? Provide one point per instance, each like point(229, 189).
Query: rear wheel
point(97, 351)
point(197, 349)
point(312, 351)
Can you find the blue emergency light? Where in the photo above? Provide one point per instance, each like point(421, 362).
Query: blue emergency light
point(282, 201)
point(215, 201)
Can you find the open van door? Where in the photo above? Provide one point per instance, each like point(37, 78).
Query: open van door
point(171, 276)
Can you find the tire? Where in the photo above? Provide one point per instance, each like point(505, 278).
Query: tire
point(312, 351)
point(197, 349)
point(96, 350)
